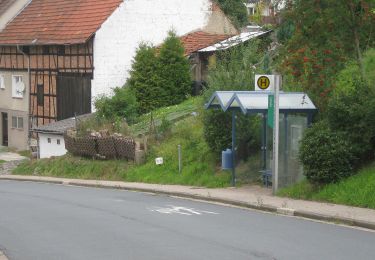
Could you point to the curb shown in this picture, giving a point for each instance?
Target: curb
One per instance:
(260, 207)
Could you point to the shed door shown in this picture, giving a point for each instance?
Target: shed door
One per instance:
(73, 95)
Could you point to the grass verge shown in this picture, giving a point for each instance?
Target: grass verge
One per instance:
(198, 167)
(357, 190)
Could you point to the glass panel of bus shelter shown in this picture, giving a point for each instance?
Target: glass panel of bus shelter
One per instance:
(290, 133)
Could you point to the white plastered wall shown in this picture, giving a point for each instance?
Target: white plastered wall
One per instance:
(137, 21)
(47, 150)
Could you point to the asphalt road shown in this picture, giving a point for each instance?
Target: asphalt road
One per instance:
(46, 221)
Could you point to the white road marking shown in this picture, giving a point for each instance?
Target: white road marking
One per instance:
(170, 209)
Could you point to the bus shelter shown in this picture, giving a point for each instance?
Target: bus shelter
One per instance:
(296, 112)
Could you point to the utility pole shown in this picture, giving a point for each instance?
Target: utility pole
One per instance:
(275, 175)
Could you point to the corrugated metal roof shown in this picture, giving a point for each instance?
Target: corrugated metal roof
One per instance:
(57, 22)
(257, 101)
(234, 41)
(59, 127)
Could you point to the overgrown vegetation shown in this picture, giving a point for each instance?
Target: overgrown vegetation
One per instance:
(318, 43)
(198, 162)
(345, 140)
(123, 104)
(198, 169)
(327, 156)
(234, 70)
(357, 190)
(236, 11)
(157, 79)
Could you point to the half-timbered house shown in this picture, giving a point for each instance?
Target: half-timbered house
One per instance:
(57, 56)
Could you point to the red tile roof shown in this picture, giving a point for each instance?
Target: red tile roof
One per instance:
(58, 22)
(199, 40)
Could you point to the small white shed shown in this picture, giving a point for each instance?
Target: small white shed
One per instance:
(51, 137)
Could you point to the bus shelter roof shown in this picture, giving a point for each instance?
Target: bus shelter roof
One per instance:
(250, 102)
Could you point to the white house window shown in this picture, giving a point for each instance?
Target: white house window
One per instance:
(17, 122)
(58, 141)
(2, 82)
(49, 140)
(18, 86)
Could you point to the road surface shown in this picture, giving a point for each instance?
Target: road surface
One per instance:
(47, 221)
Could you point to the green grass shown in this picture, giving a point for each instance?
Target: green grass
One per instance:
(171, 113)
(198, 162)
(2, 161)
(357, 190)
(73, 167)
(198, 168)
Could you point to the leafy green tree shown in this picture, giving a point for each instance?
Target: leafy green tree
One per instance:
(236, 11)
(325, 35)
(145, 80)
(173, 72)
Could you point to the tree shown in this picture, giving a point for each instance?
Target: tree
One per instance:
(144, 79)
(173, 71)
(325, 34)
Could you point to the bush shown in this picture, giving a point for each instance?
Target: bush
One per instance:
(145, 80)
(122, 105)
(327, 156)
(160, 80)
(218, 132)
(352, 111)
(173, 71)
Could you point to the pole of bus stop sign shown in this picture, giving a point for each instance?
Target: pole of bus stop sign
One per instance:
(275, 175)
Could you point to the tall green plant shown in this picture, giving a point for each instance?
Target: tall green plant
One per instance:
(173, 71)
(145, 79)
(327, 34)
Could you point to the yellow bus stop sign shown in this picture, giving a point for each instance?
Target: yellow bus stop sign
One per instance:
(263, 82)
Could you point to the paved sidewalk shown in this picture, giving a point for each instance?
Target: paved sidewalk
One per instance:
(251, 197)
(12, 160)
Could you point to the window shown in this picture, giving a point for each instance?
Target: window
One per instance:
(40, 94)
(45, 50)
(49, 140)
(250, 10)
(61, 50)
(2, 82)
(58, 141)
(17, 122)
(18, 87)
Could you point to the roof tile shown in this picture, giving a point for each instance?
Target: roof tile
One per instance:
(58, 22)
(198, 40)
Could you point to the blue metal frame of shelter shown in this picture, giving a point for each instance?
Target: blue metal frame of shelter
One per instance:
(239, 101)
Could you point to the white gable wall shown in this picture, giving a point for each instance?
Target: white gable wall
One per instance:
(49, 146)
(137, 21)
